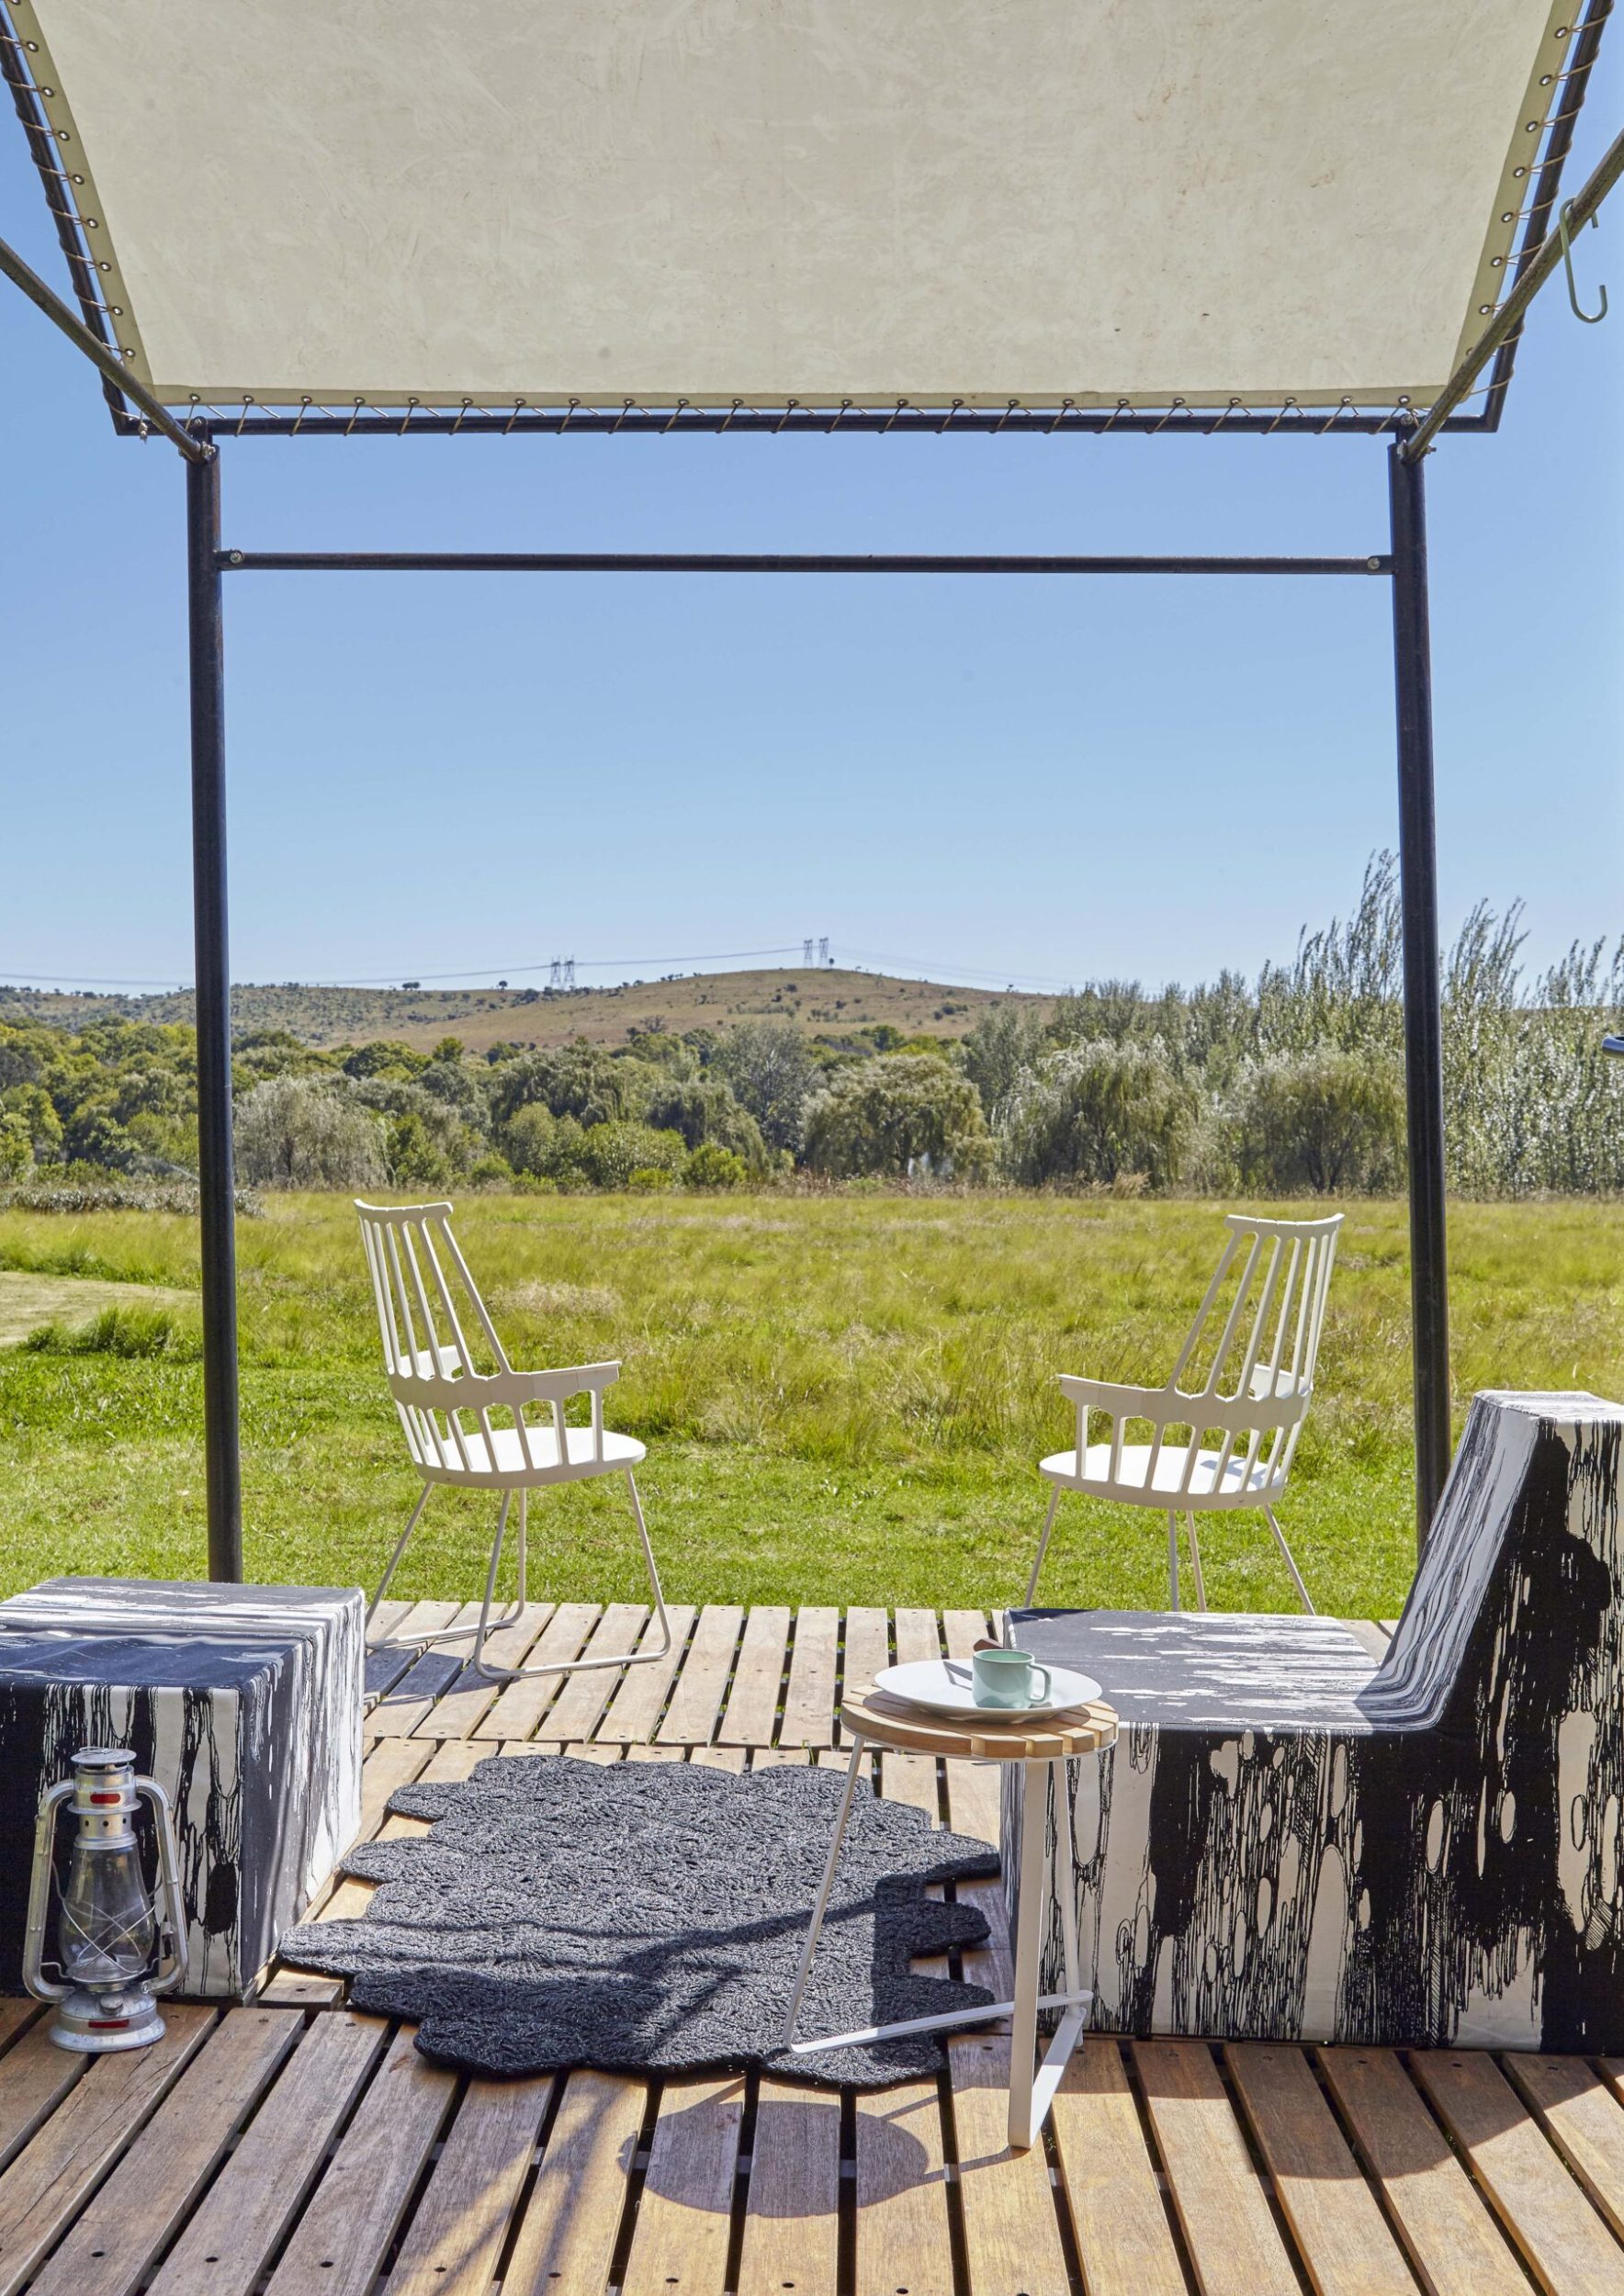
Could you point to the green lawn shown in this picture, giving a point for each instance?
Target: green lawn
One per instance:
(843, 1397)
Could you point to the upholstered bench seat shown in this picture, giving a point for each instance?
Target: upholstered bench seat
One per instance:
(244, 1702)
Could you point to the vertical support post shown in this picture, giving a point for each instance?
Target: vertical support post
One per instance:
(216, 1178)
(1423, 1077)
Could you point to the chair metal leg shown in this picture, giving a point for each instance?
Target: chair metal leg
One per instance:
(1031, 1584)
(1302, 1594)
(819, 1910)
(656, 1649)
(1173, 1557)
(444, 1634)
(1195, 1561)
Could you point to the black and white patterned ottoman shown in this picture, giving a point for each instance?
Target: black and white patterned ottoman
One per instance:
(243, 1702)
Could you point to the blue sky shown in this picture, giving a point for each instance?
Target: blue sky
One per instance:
(1032, 781)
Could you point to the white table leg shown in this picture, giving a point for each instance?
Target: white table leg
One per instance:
(852, 1767)
(1029, 1931)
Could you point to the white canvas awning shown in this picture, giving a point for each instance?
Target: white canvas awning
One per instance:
(818, 200)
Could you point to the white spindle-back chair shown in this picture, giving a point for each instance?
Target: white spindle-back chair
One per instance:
(1221, 1437)
(473, 1427)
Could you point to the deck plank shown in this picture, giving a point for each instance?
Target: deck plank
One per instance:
(1568, 2248)
(1366, 1632)
(684, 2215)
(1011, 2232)
(792, 2216)
(1223, 2213)
(1583, 2119)
(455, 2240)
(903, 2240)
(1450, 2237)
(255, 2197)
(134, 2214)
(578, 1706)
(15, 2014)
(696, 1701)
(911, 1778)
(408, 1702)
(636, 1708)
(809, 1698)
(35, 2075)
(1109, 2181)
(1333, 2216)
(572, 2222)
(750, 1715)
(918, 1636)
(518, 1709)
(973, 1787)
(356, 2207)
(464, 1703)
(47, 2181)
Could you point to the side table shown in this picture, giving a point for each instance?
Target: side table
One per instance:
(871, 1718)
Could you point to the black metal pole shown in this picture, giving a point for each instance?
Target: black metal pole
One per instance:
(1424, 1061)
(206, 624)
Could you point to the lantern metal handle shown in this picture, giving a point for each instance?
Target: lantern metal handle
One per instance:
(172, 1966)
(34, 1976)
(172, 1963)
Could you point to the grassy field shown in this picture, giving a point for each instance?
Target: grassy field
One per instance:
(843, 1397)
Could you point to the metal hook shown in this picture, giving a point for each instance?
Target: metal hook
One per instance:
(1563, 219)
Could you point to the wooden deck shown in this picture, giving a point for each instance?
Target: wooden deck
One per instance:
(295, 2147)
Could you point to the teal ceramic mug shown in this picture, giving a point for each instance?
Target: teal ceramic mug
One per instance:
(1009, 1678)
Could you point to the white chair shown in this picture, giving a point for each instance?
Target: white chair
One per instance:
(1233, 1436)
(449, 1408)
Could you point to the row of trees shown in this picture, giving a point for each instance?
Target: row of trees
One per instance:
(1292, 1085)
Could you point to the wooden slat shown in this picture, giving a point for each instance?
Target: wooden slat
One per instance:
(572, 2218)
(918, 1636)
(385, 1667)
(356, 2209)
(15, 2016)
(1568, 2247)
(734, 1758)
(519, 1707)
(680, 2244)
(459, 1710)
(1449, 2236)
(455, 2240)
(902, 2224)
(973, 1787)
(867, 1651)
(635, 1709)
(791, 2217)
(133, 2214)
(1011, 2232)
(45, 2185)
(575, 1712)
(35, 2075)
(1110, 2180)
(1583, 2119)
(1371, 1638)
(809, 1699)
(751, 1712)
(250, 2203)
(691, 1718)
(400, 1711)
(1222, 2212)
(911, 1778)
(1333, 2216)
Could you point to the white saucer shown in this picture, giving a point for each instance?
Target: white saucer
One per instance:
(947, 1686)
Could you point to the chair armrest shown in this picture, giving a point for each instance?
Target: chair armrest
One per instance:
(1109, 1395)
(551, 1387)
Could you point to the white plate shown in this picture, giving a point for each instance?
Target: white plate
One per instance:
(947, 1686)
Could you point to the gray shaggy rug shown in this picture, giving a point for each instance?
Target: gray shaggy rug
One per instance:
(640, 1914)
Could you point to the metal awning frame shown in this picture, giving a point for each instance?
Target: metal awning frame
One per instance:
(199, 431)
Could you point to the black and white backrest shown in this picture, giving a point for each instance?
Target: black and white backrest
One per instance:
(1294, 1841)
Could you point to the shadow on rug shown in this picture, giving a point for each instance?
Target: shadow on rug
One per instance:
(640, 1914)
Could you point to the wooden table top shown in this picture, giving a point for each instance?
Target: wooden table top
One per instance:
(882, 1720)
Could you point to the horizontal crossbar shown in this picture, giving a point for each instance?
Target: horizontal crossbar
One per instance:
(755, 562)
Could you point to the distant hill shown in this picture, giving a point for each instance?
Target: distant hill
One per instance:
(821, 1003)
